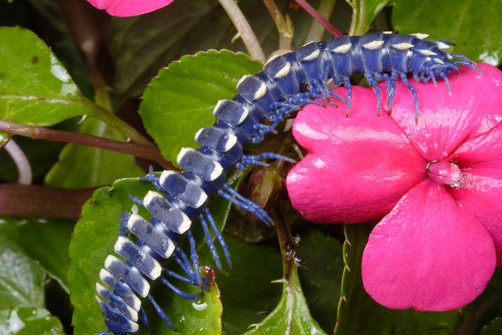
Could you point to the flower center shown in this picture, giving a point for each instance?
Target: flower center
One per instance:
(445, 173)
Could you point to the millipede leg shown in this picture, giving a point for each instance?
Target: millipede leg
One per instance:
(391, 91)
(256, 159)
(447, 82)
(348, 86)
(218, 236)
(161, 313)
(179, 292)
(142, 317)
(123, 231)
(303, 98)
(194, 256)
(388, 85)
(181, 259)
(179, 277)
(406, 83)
(209, 241)
(246, 204)
(137, 201)
(371, 80)
(152, 178)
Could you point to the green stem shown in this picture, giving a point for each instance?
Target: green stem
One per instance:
(357, 24)
(316, 30)
(286, 244)
(282, 23)
(117, 123)
(244, 29)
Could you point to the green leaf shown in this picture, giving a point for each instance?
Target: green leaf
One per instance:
(494, 328)
(181, 99)
(93, 239)
(292, 315)
(202, 316)
(82, 166)
(356, 305)
(47, 243)
(35, 88)
(364, 12)
(247, 291)
(322, 276)
(29, 321)
(470, 24)
(21, 279)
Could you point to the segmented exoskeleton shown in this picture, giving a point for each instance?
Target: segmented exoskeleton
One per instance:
(286, 84)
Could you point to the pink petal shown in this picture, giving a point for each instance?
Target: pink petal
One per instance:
(483, 151)
(480, 194)
(445, 121)
(429, 253)
(124, 8)
(357, 167)
(481, 162)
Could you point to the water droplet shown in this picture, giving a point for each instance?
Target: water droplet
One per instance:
(199, 307)
(58, 71)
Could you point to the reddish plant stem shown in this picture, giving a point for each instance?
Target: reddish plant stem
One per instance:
(35, 132)
(309, 9)
(41, 202)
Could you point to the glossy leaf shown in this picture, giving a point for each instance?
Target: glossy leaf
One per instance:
(21, 279)
(469, 24)
(35, 87)
(291, 315)
(47, 243)
(356, 304)
(29, 321)
(181, 99)
(364, 12)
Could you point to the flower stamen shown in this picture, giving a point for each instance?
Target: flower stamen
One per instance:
(445, 173)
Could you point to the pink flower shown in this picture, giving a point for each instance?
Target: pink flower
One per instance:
(125, 8)
(437, 184)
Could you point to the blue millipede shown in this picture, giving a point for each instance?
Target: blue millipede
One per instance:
(286, 84)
